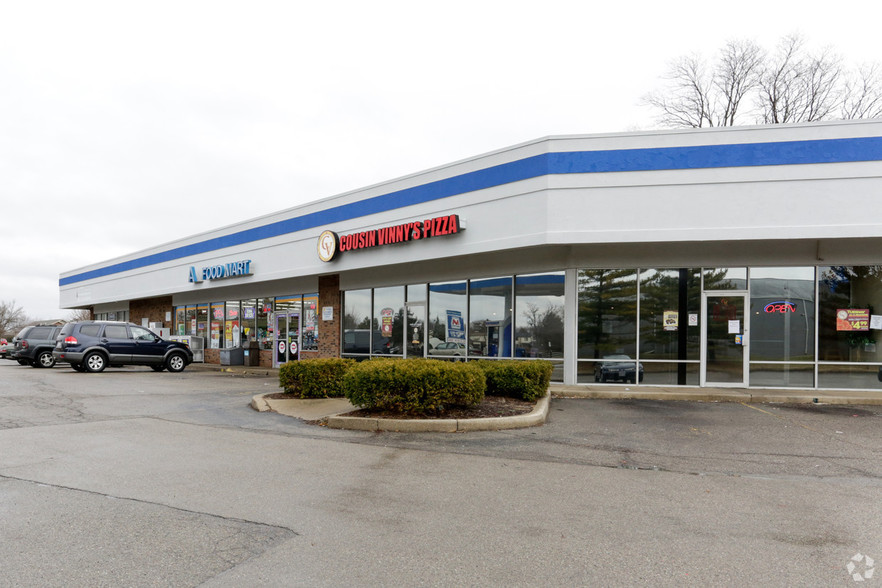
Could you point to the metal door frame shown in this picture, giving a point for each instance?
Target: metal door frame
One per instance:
(745, 328)
(288, 315)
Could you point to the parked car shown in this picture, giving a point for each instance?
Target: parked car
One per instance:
(450, 349)
(90, 346)
(5, 348)
(618, 368)
(34, 347)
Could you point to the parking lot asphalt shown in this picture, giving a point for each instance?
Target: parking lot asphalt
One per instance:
(137, 478)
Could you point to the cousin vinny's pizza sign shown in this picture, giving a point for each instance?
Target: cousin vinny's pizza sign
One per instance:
(330, 244)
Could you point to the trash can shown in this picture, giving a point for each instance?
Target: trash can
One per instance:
(232, 356)
(252, 354)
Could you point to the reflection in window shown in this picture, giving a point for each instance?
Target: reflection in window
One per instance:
(388, 321)
(539, 303)
(607, 313)
(448, 307)
(309, 322)
(667, 299)
(357, 321)
(782, 314)
(847, 297)
(725, 278)
(490, 328)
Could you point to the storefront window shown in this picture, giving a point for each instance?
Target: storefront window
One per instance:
(725, 278)
(539, 304)
(670, 304)
(180, 320)
(264, 330)
(388, 321)
(190, 323)
(782, 314)
(448, 307)
(232, 327)
(416, 293)
(607, 313)
(848, 298)
(202, 321)
(249, 321)
(309, 322)
(490, 313)
(216, 326)
(357, 321)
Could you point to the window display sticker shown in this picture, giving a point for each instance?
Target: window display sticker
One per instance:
(693, 319)
(734, 327)
(739, 340)
(671, 320)
(876, 321)
(853, 319)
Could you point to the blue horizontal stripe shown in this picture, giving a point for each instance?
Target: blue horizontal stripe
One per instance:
(571, 162)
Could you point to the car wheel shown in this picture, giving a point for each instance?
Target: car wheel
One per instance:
(45, 360)
(175, 363)
(94, 362)
(157, 368)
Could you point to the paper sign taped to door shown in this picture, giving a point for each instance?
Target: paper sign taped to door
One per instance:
(734, 327)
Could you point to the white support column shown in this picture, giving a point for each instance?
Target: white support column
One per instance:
(571, 325)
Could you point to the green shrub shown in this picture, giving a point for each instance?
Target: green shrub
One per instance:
(414, 386)
(314, 378)
(527, 380)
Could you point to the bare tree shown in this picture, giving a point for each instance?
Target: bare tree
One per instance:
(799, 87)
(701, 96)
(747, 85)
(79, 314)
(12, 318)
(863, 93)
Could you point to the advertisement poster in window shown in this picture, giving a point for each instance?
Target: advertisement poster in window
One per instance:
(215, 335)
(455, 326)
(853, 319)
(386, 316)
(671, 320)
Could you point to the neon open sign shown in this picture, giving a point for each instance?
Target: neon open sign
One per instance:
(781, 306)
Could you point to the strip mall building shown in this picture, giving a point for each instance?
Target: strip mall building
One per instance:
(746, 256)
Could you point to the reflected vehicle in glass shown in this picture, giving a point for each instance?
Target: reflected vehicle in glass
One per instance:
(450, 349)
(618, 368)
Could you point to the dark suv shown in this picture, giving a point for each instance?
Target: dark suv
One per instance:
(34, 346)
(90, 346)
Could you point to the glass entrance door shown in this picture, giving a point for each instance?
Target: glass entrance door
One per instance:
(415, 332)
(286, 337)
(724, 340)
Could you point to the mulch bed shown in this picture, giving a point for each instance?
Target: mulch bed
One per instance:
(491, 406)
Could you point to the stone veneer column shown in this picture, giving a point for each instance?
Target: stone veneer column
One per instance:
(329, 331)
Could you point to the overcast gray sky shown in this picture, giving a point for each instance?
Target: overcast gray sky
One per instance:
(126, 125)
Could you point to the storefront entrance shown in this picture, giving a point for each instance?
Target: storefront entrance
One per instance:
(724, 340)
(286, 337)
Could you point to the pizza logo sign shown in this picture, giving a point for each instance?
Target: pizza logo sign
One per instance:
(330, 244)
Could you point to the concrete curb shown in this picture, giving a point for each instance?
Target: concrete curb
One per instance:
(720, 395)
(536, 417)
(259, 403)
